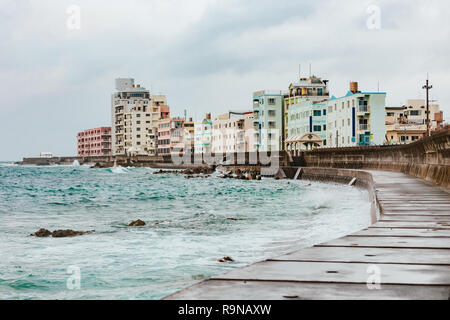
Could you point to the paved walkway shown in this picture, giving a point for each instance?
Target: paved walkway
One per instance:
(409, 247)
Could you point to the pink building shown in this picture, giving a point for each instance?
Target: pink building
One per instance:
(170, 136)
(94, 142)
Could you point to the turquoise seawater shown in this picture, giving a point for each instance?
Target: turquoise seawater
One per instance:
(187, 228)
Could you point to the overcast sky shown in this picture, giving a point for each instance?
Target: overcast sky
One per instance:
(205, 55)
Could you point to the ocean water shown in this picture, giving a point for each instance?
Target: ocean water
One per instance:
(188, 228)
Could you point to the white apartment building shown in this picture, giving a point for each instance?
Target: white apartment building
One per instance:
(268, 120)
(312, 89)
(134, 119)
(356, 119)
(203, 135)
(233, 132)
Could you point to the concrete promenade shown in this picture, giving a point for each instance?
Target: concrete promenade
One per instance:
(409, 246)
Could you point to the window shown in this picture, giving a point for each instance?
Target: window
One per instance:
(271, 113)
(317, 113)
(317, 128)
(414, 112)
(324, 112)
(271, 101)
(324, 127)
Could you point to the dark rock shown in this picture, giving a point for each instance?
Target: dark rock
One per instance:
(41, 233)
(96, 166)
(137, 223)
(225, 259)
(69, 233)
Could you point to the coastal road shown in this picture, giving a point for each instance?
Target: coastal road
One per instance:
(404, 255)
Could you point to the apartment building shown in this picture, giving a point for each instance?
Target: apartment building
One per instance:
(134, 118)
(268, 120)
(307, 125)
(171, 136)
(356, 119)
(189, 136)
(203, 135)
(407, 123)
(233, 132)
(94, 142)
(312, 89)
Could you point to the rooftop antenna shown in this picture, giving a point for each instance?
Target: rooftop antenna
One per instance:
(378, 86)
(299, 71)
(310, 70)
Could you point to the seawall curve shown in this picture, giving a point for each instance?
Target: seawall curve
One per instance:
(408, 243)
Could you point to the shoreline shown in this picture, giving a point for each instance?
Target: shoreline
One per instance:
(400, 243)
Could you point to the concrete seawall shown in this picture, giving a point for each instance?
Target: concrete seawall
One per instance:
(427, 158)
(408, 244)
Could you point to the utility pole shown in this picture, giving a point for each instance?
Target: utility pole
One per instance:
(427, 87)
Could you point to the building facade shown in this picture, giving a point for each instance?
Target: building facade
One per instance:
(356, 119)
(307, 125)
(134, 119)
(268, 120)
(170, 136)
(312, 89)
(189, 136)
(407, 123)
(203, 135)
(94, 142)
(233, 132)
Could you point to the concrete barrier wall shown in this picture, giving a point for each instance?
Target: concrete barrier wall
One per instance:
(427, 159)
(363, 180)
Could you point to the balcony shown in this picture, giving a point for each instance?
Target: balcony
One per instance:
(363, 109)
(364, 127)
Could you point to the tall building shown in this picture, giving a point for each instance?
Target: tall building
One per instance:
(356, 119)
(268, 119)
(407, 123)
(312, 89)
(233, 132)
(134, 119)
(203, 135)
(94, 142)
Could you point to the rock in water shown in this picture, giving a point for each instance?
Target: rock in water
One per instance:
(69, 233)
(224, 259)
(41, 233)
(137, 223)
